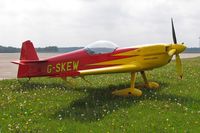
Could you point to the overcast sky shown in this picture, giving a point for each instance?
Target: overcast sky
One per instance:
(79, 22)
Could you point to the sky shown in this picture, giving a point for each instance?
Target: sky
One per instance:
(66, 23)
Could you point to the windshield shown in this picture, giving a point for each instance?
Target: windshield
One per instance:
(101, 47)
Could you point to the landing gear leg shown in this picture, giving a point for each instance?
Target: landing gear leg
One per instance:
(150, 85)
(87, 81)
(132, 91)
(70, 83)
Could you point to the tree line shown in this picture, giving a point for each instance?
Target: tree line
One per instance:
(48, 49)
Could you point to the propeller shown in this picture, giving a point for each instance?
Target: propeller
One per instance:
(179, 67)
(175, 50)
(172, 52)
(173, 32)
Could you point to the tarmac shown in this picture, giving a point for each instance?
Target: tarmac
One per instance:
(9, 70)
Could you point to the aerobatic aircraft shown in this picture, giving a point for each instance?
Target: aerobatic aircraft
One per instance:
(102, 57)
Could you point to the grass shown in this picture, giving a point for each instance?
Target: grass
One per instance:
(49, 105)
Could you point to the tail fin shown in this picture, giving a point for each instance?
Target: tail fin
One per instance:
(28, 51)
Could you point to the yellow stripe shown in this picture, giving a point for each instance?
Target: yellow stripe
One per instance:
(129, 53)
(116, 62)
(113, 69)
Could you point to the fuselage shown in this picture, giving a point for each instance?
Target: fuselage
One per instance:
(68, 64)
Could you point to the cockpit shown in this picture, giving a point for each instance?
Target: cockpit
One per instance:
(100, 47)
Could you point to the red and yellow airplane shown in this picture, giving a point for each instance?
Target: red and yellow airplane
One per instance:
(102, 57)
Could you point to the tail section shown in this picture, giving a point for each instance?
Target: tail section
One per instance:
(23, 71)
(29, 63)
(28, 51)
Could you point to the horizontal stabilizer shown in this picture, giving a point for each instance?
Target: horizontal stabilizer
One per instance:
(17, 62)
(24, 62)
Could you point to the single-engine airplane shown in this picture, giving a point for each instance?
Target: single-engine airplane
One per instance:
(102, 57)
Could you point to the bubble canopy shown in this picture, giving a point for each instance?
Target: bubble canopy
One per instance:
(100, 47)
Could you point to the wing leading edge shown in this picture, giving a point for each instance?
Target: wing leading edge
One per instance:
(111, 69)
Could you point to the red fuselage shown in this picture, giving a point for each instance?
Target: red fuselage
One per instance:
(69, 64)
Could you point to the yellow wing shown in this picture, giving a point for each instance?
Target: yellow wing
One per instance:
(111, 69)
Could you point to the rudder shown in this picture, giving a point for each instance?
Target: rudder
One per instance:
(28, 51)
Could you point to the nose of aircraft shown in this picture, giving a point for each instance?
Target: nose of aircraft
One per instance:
(175, 49)
(179, 48)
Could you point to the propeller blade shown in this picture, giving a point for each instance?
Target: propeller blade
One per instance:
(172, 52)
(179, 68)
(173, 32)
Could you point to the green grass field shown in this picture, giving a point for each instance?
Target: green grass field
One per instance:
(49, 105)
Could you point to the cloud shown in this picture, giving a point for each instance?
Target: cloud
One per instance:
(67, 23)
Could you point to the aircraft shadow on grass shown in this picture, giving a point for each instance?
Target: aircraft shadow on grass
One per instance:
(99, 102)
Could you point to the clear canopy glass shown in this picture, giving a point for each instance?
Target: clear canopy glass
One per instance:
(101, 47)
